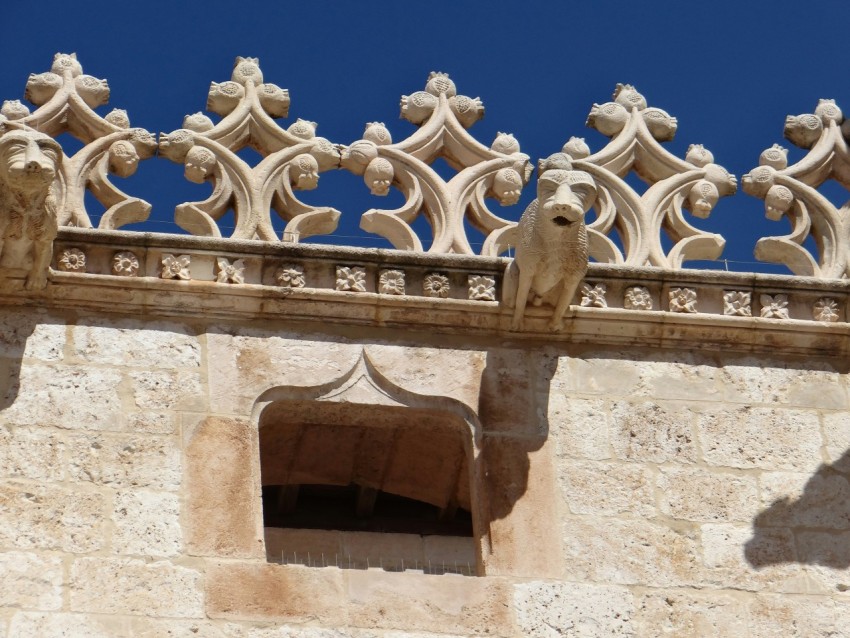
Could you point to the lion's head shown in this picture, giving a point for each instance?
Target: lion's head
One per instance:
(29, 161)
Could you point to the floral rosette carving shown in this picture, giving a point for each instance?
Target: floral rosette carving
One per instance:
(774, 306)
(593, 296)
(72, 260)
(125, 264)
(292, 160)
(792, 192)
(391, 282)
(737, 303)
(290, 276)
(825, 310)
(65, 98)
(683, 300)
(176, 267)
(443, 117)
(675, 185)
(637, 298)
(351, 278)
(482, 288)
(230, 273)
(436, 285)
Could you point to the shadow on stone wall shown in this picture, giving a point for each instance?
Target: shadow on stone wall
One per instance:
(813, 529)
(16, 331)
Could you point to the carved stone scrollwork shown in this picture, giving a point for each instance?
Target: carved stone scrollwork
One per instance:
(65, 98)
(497, 172)
(791, 191)
(695, 184)
(293, 158)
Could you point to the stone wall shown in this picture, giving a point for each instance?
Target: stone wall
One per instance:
(619, 490)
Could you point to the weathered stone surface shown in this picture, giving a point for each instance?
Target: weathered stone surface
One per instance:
(699, 495)
(836, 431)
(131, 586)
(130, 342)
(820, 500)
(678, 613)
(610, 374)
(221, 500)
(456, 604)
(31, 453)
(551, 610)
(54, 517)
(150, 422)
(607, 489)
(32, 335)
(770, 439)
(796, 617)
(124, 460)
(64, 625)
(627, 552)
(70, 397)
(680, 376)
(146, 523)
(30, 581)
(580, 427)
(288, 593)
(652, 432)
(161, 390)
(813, 384)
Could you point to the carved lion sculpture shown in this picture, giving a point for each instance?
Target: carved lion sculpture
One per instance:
(29, 161)
(552, 253)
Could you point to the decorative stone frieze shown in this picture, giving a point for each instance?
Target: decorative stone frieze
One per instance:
(683, 300)
(351, 278)
(290, 276)
(774, 306)
(176, 267)
(391, 282)
(593, 296)
(637, 298)
(737, 303)
(125, 264)
(230, 273)
(826, 310)
(482, 288)
(72, 260)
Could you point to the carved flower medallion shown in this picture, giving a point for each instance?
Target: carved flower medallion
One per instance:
(72, 260)
(290, 276)
(637, 298)
(774, 306)
(683, 300)
(176, 267)
(230, 273)
(351, 278)
(826, 310)
(391, 282)
(482, 288)
(125, 264)
(593, 296)
(436, 285)
(737, 303)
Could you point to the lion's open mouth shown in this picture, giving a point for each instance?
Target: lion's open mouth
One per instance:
(560, 220)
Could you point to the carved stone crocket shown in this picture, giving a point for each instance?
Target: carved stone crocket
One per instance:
(552, 253)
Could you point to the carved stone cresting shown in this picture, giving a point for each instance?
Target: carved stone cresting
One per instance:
(436, 285)
(391, 282)
(29, 164)
(72, 260)
(482, 288)
(351, 278)
(290, 276)
(683, 300)
(791, 191)
(774, 306)
(498, 172)
(65, 98)
(637, 298)
(227, 273)
(551, 255)
(593, 296)
(125, 264)
(826, 310)
(695, 184)
(176, 267)
(292, 160)
(737, 303)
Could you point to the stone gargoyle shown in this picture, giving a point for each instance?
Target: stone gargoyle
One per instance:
(551, 254)
(29, 163)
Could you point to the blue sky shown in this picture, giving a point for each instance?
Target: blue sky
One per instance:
(729, 71)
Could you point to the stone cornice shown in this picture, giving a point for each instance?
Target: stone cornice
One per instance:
(668, 323)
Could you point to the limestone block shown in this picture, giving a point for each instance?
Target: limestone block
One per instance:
(31, 453)
(455, 604)
(653, 432)
(552, 610)
(700, 495)
(124, 460)
(627, 552)
(221, 500)
(150, 422)
(836, 431)
(64, 625)
(31, 335)
(283, 592)
(771, 439)
(795, 617)
(54, 517)
(131, 586)
(161, 390)
(509, 390)
(71, 397)
(130, 342)
(580, 427)
(678, 613)
(792, 499)
(146, 523)
(608, 373)
(679, 376)
(765, 560)
(607, 489)
(30, 581)
(807, 384)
